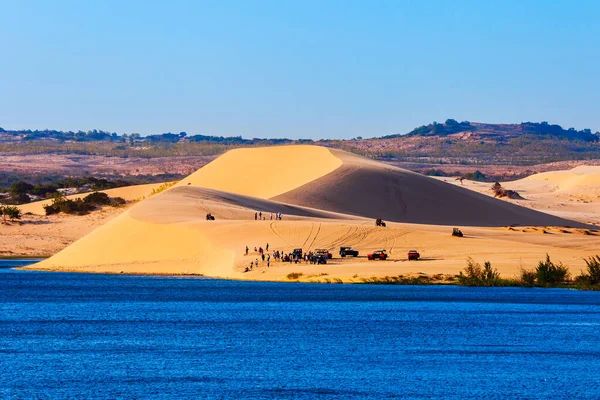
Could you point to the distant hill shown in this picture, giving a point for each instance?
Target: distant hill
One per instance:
(452, 142)
(545, 129)
(473, 143)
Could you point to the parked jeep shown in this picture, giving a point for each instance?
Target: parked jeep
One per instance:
(318, 259)
(377, 255)
(413, 255)
(348, 251)
(297, 253)
(324, 252)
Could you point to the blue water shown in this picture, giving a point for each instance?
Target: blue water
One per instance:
(78, 336)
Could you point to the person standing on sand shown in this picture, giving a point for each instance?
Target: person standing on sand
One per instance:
(256, 262)
(267, 248)
(263, 257)
(268, 261)
(260, 215)
(255, 216)
(247, 250)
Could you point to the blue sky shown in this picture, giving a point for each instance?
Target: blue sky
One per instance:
(310, 69)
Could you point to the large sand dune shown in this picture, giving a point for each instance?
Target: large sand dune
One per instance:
(326, 205)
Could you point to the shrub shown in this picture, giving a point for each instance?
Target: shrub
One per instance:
(592, 276)
(79, 206)
(118, 201)
(548, 273)
(67, 206)
(50, 209)
(10, 212)
(528, 277)
(294, 275)
(476, 275)
(97, 198)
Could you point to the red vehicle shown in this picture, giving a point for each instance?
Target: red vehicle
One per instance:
(413, 255)
(377, 255)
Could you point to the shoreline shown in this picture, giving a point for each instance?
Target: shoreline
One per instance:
(45, 257)
(416, 280)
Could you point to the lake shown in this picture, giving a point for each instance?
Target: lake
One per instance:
(76, 336)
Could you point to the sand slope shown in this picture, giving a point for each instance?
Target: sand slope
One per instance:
(372, 189)
(328, 206)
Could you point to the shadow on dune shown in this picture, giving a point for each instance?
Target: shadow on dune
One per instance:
(376, 190)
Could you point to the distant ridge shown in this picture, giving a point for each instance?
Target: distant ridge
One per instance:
(452, 126)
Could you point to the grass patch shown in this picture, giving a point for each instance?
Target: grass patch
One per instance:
(294, 275)
(163, 187)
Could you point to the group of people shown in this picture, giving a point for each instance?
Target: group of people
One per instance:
(210, 217)
(276, 255)
(259, 216)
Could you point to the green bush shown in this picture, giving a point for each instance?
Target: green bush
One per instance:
(476, 275)
(10, 212)
(97, 198)
(67, 206)
(117, 202)
(528, 277)
(548, 273)
(592, 275)
(79, 206)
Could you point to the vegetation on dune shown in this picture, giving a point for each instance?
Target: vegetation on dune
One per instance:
(9, 213)
(294, 275)
(163, 187)
(80, 206)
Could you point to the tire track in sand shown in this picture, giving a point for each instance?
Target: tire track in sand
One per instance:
(272, 226)
(315, 238)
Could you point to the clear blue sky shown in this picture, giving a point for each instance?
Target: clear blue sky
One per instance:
(309, 69)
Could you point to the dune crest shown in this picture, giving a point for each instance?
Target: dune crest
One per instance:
(265, 172)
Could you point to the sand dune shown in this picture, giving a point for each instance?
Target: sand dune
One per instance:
(572, 194)
(582, 180)
(325, 206)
